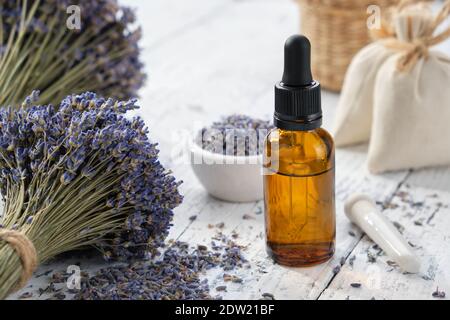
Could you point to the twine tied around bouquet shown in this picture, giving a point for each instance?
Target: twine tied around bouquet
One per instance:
(417, 48)
(25, 250)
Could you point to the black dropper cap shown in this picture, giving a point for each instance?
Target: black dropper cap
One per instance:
(297, 96)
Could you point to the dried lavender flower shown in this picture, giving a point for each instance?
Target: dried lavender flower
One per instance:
(438, 293)
(371, 258)
(26, 295)
(176, 275)
(88, 175)
(221, 288)
(336, 269)
(38, 50)
(268, 296)
(237, 135)
(351, 261)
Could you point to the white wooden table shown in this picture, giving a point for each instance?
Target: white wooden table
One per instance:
(209, 58)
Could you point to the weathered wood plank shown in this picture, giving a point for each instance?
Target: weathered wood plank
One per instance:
(424, 215)
(210, 58)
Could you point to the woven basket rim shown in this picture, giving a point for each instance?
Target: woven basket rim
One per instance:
(347, 4)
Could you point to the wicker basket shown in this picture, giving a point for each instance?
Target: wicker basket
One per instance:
(337, 30)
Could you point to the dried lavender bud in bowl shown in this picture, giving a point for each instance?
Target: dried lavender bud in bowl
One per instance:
(227, 158)
(235, 135)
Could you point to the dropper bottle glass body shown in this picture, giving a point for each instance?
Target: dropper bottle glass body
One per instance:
(299, 168)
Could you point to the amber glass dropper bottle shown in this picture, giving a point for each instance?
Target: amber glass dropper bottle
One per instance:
(299, 178)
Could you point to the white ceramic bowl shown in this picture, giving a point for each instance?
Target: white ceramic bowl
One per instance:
(229, 178)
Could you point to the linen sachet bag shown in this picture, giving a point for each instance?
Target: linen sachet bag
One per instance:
(397, 93)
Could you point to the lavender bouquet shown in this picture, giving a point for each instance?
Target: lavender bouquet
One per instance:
(44, 47)
(79, 175)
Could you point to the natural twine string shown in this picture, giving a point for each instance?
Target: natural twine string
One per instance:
(25, 250)
(418, 48)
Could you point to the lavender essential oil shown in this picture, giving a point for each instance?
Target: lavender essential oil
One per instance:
(299, 179)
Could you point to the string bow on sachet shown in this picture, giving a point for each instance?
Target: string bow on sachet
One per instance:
(417, 47)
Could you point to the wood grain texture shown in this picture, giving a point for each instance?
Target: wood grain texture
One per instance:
(424, 215)
(210, 58)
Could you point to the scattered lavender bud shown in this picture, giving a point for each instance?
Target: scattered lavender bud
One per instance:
(232, 278)
(352, 260)
(176, 276)
(391, 263)
(399, 227)
(387, 205)
(371, 257)
(59, 296)
(58, 277)
(247, 217)
(403, 195)
(352, 233)
(220, 225)
(336, 269)
(193, 218)
(49, 289)
(26, 295)
(438, 294)
(227, 277)
(417, 204)
(356, 285)
(268, 296)
(237, 280)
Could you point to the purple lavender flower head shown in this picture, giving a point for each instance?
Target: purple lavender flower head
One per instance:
(87, 174)
(61, 51)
